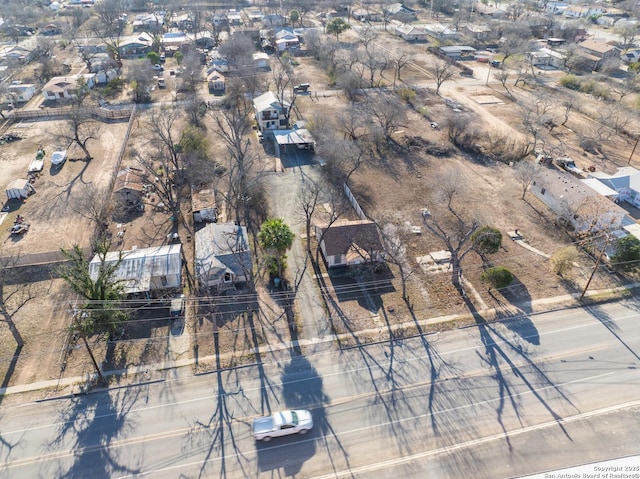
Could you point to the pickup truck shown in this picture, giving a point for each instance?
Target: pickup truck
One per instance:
(283, 423)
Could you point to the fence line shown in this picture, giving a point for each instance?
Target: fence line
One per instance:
(104, 114)
(123, 148)
(354, 202)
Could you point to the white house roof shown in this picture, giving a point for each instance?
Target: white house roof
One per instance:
(61, 84)
(139, 266)
(627, 177)
(600, 187)
(222, 248)
(268, 101)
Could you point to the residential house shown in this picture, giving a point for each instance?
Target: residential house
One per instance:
(411, 33)
(220, 64)
(203, 205)
(254, 14)
(91, 45)
(632, 56)
(136, 45)
(367, 15)
(175, 41)
(216, 81)
(144, 270)
(129, 185)
(597, 51)
(556, 8)
(349, 243)
(546, 57)
(50, 29)
(220, 20)
(105, 76)
(475, 31)
(441, 32)
(59, 88)
(21, 92)
(222, 255)
(582, 11)
(400, 12)
(286, 39)
(626, 183)
(273, 20)
(235, 19)
(149, 22)
(271, 113)
(14, 55)
(566, 196)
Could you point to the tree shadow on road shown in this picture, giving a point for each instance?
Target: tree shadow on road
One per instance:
(91, 425)
(598, 312)
(213, 435)
(508, 358)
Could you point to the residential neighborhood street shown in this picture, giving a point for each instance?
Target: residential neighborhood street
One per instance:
(527, 395)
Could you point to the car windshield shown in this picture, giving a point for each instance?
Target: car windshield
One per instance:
(294, 417)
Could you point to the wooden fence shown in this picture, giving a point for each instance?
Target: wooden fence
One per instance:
(51, 113)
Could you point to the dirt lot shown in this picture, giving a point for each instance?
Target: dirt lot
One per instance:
(392, 188)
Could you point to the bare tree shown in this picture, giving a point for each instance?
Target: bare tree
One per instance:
(455, 232)
(93, 203)
(233, 127)
(108, 25)
(395, 252)
(80, 128)
(525, 173)
(281, 75)
(400, 60)
(387, 113)
(442, 71)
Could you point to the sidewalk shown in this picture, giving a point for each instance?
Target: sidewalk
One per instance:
(142, 374)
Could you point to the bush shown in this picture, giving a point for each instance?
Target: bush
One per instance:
(486, 240)
(407, 94)
(497, 276)
(571, 82)
(561, 261)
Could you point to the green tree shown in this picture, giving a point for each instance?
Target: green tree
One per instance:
(276, 236)
(153, 57)
(179, 57)
(102, 294)
(497, 276)
(562, 260)
(294, 16)
(627, 253)
(337, 26)
(486, 240)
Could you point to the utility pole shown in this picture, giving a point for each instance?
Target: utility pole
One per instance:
(634, 150)
(595, 268)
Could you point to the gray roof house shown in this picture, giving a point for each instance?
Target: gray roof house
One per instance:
(223, 257)
(144, 270)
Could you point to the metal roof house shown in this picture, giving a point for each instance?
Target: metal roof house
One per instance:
(144, 270)
(222, 255)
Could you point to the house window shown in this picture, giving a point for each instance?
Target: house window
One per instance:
(542, 191)
(227, 277)
(163, 280)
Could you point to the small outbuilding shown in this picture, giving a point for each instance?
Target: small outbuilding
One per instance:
(203, 205)
(129, 184)
(19, 189)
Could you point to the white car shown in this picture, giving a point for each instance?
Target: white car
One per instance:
(283, 423)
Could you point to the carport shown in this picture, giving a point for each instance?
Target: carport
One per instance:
(298, 139)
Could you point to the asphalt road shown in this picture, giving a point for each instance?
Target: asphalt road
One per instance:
(492, 401)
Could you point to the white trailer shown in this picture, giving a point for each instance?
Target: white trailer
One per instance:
(19, 189)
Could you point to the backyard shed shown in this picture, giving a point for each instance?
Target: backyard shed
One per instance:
(19, 189)
(203, 205)
(144, 270)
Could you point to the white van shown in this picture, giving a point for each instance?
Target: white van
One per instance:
(161, 83)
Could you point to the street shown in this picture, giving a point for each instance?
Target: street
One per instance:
(495, 400)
